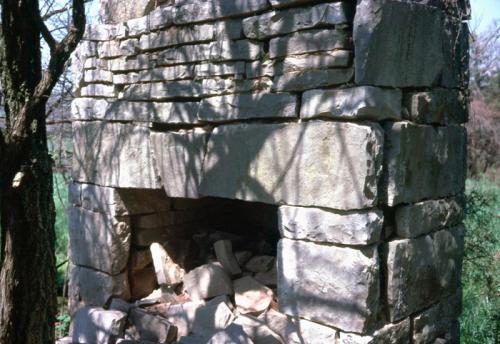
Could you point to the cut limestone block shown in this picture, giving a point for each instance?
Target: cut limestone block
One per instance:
(207, 281)
(152, 328)
(224, 253)
(183, 315)
(336, 286)
(422, 162)
(316, 60)
(362, 102)
(162, 90)
(167, 271)
(334, 165)
(397, 333)
(179, 156)
(433, 263)
(212, 318)
(423, 217)
(304, 80)
(322, 225)
(439, 106)
(113, 154)
(115, 11)
(277, 23)
(177, 36)
(244, 106)
(99, 241)
(98, 326)
(250, 296)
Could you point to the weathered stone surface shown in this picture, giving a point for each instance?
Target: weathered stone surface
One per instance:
(232, 334)
(397, 333)
(339, 287)
(208, 10)
(217, 86)
(151, 327)
(433, 263)
(308, 41)
(176, 36)
(286, 3)
(183, 316)
(362, 102)
(333, 165)
(94, 288)
(424, 217)
(168, 73)
(224, 253)
(116, 48)
(124, 64)
(439, 321)
(179, 156)
(99, 241)
(299, 81)
(205, 70)
(162, 90)
(142, 201)
(268, 278)
(321, 225)
(116, 11)
(423, 162)
(245, 106)
(100, 32)
(97, 75)
(212, 318)
(120, 305)
(113, 154)
(257, 330)
(98, 326)
(276, 23)
(439, 106)
(250, 296)
(302, 331)
(167, 271)
(75, 194)
(260, 263)
(207, 281)
(316, 60)
(242, 257)
(98, 90)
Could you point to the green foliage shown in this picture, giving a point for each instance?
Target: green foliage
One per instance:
(62, 325)
(480, 321)
(61, 227)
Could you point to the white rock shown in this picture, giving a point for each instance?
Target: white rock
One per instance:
(152, 328)
(212, 318)
(167, 271)
(207, 281)
(251, 296)
(224, 253)
(98, 326)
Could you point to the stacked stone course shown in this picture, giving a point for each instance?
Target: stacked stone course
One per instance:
(347, 116)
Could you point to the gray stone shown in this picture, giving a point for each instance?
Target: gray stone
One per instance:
(245, 106)
(169, 73)
(117, 48)
(160, 17)
(260, 263)
(302, 331)
(217, 86)
(123, 64)
(308, 41)
(183, 316)
(88, 287)
(322, 225)
(152, 327)
(362, 102)
(316, 60)
(97, 75)
(242, 257)
(180, 156)
(176, 36)
(242, 163)
(98, 326)
(397, 333)
(433, 263)
(268, 278)
(113, 154)
(162, 90)
(423, 162)
(120, 305)
(75, 194)
(336, 286)
(100, 32)
(99, 241)
(304, 80)
(257, 330)
(233, 334)
(101, 199)
(212, 318)
(439, 106)
(136, 27)
(167, 271)
(98, 90)
(251, 296)
(286, 3)
(207, 281)
(224, 253)
(261, 68)
(276, 23)
(116, 11)
(456, 51)
(143, 201)
(205, 70)
(424, 217)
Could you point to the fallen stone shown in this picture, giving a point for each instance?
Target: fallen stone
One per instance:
(260, 263)
(423, 217)
(305, 148)
(232, 334)
(191, 339)
(397, 333)
(315, 60)
(278, 322)
(207, 281)
(432, 262)
(439, 106)
(434, 155)
(268, 278)
(151, 327)
(305, 80)
(183, 316)
(336, 286)
(276, 23)
(167, 271)
(242, 257)
(321, 225)
(224, 253)
(245, 106)
(250, 296)
(98, 326)
(212, 318)
(362, 102)
(99, 241)
(120, 305)
(257, 330)
(308, 41)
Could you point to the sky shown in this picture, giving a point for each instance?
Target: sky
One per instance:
(484, 12)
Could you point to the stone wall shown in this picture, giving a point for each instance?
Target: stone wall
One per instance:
(347, 116)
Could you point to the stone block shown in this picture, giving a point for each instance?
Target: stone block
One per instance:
(98, 326)
(98, 90)
(301, 331)
(432, 262)
(151, 327)
(160, 17)
(183, 316)
(232, 334)
(422, 162)
(124, 64)
(322, 225)
(308, 41)
(251, 296)
(282, 22)
(100, 32)
(260, 263)
(100, 199)
(113, 154)
(224, 253)
(98, 240)
(316, 60)
(336, 286)
(177, 36)
(162, 90)
(326, 164)
(362, 102)
(287, 3)
(167, 271)
(97, 75)
(169, 73)
(115, 11)
(246, 106)
(456, 51)
(212, 318)
(439, 106)
(397, 333)
(257, 330)
(179, 156)
(263, 67)
(142, 201)
(423, 217)
(217, 86)
(207, 281)
(206, 70)
(304, 80)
